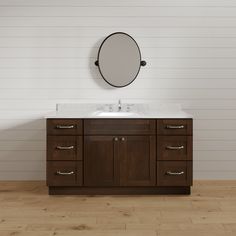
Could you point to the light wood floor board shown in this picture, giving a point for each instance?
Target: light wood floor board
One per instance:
(27, 210)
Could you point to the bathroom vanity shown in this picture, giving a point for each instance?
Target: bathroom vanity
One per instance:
(120, 153)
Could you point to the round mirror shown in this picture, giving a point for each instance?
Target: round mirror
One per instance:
(119, 59)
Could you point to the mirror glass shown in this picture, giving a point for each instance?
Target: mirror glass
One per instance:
(119, 59)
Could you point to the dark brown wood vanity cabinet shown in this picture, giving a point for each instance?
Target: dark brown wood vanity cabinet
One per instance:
(119, 156)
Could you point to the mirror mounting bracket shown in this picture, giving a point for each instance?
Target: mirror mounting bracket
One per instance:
(143, 63)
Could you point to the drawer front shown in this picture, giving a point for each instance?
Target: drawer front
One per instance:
(174, 148)
(64, 173)
(174, 173)
(64, 148)
(174, 127)
(119, 126)
(64, 127)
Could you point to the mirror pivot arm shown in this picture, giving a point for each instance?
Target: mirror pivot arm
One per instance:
(142, 63)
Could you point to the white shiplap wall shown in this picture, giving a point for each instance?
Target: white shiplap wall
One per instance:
(47, 50)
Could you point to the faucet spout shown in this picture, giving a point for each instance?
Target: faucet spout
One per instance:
(119, 105)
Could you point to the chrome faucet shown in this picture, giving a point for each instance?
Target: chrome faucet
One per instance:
(119, 105)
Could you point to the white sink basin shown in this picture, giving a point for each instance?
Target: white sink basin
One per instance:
(114, 114)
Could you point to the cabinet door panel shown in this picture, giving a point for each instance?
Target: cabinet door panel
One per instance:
(100, 161)
(137, 161)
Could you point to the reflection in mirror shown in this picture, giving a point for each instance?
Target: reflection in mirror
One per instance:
(119, 59)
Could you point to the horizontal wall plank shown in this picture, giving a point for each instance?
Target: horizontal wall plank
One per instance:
(22, 124)
(82, 63)
(207, 165)
(219, 124)
(22, 145)
(57, 73)
(216, 175)
(116, 94)
(216, 145)
(19, 156)
(214, 155)
(23, 175)
(92, 42)
(123, 11)
(26, 166)
(126, 22)
(33, 135)
(100, 32)
(139, 83)
(215, 135)
(92, 52)
(102, 3)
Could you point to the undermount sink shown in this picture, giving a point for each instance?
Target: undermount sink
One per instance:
(114, 114)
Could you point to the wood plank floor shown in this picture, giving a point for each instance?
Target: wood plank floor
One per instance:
(26, 209)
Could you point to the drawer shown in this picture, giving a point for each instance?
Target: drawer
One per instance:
(174, 127)
(64, 148)
(119, 126)
(64, 173)
(64, 127)
(174, 148)
(174, 173)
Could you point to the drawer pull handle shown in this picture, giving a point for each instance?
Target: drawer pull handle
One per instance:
(64, 173)
(175, 126)
(116, 139)
(65, 148)
(175, 148)
(65, 126)
(175, 173)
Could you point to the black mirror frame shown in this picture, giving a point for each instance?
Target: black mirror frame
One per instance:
(142, 62)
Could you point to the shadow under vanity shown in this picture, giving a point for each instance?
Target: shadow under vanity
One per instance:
(119, 155)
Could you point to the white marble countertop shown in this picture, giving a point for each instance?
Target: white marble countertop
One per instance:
(110, 111)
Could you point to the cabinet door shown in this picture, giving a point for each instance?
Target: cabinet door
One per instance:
(137, 156)
(100, 161)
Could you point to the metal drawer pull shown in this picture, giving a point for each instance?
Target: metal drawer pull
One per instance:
(175, 126)
(65, 148)
(64, 173)
(122, 139)
(65, 126)
(116, 139)
(175, 148)
(174, 173)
